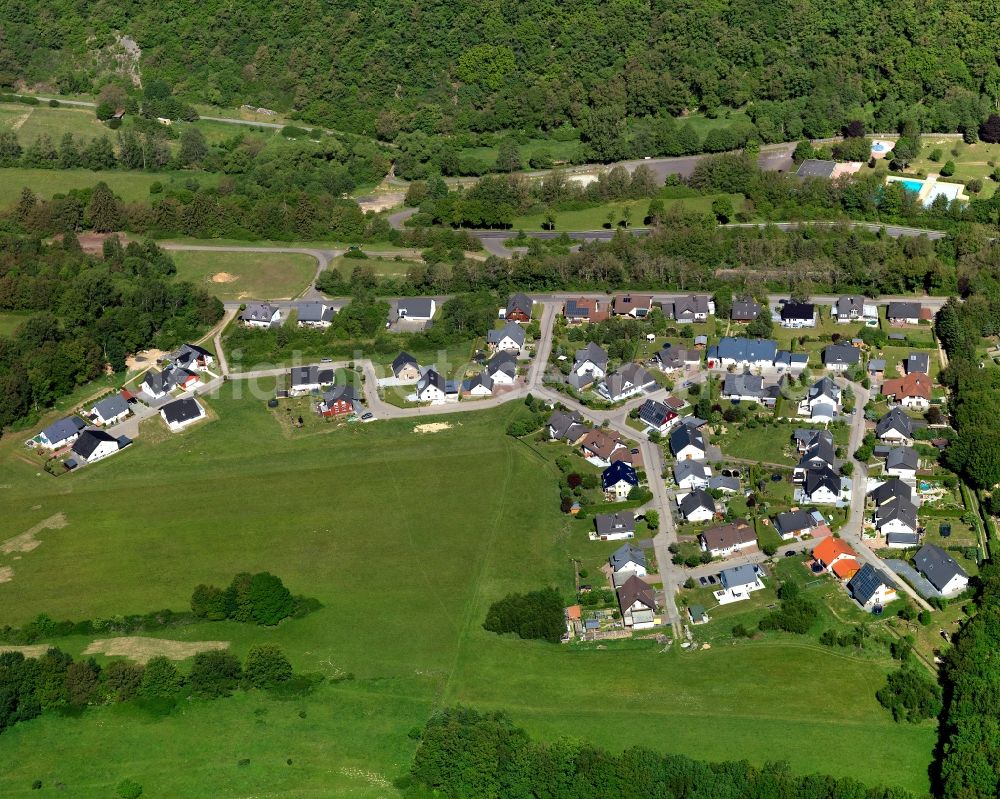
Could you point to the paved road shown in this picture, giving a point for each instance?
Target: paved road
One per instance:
(852, 530)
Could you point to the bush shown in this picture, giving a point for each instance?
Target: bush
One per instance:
(910, 695)
(975, 185)
(160, 679)
(537, 614)
(128, 789)
(214, 674)
(924, 618)
(948, 169)
(266, 666)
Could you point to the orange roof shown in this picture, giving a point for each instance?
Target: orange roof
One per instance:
(829, 549)
(846, 568)
(915, 384)
(573, 612)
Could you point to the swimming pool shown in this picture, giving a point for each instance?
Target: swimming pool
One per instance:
(911, 185)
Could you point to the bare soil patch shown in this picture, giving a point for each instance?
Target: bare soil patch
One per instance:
(26, 541)
(32, 651)
(6, 574)
(224, 277)
(141, 650)
(143, 359)
(432, 427)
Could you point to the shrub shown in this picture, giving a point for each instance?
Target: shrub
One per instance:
(537, 614)
(266, 666)
(214, 674)
(975, 185)
(948, 169)
(128, 789)
(160, 679)
(910, 695)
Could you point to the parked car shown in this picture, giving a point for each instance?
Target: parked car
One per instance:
(367, 417)
(790, 553)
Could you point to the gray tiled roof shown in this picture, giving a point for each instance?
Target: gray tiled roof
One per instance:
(937, 565)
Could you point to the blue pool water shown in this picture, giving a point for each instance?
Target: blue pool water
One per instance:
(912, 185)
(878, 147)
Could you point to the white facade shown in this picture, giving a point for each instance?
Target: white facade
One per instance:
(175, 426)
(102, 450)
(692, 481)
(112, 420)
(691, 453)
(620, 490)
(430, 393)
(582, 368)
(737, 593)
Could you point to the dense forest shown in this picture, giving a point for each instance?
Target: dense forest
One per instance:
(86, 313)
(400, 70)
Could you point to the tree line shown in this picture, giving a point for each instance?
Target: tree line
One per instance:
(464, 753)
(86, 313)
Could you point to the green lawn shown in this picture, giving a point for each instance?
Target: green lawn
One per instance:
(30, 121)
(382, 266)
(597, 217)
(10, 320)
(765, 443)
(405, 538)
(972, 161)
(239, 275)
(130, 186)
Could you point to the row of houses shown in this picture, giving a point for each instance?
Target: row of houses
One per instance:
(688, 309)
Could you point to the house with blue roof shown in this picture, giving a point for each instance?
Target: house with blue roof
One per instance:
(618, 480)
(738, 583)
(61, 433)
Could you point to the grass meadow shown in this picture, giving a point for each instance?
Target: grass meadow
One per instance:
(246, 275)
(596, 218)
(406, 538)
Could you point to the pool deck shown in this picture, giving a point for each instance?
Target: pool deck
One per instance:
(927, 189)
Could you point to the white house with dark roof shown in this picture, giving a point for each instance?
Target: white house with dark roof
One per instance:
(941, 570)
(614, 526)
(405, 368)
(110, 410)
(696, 506)
(748, 388)
(840, 357)
(687, 442)
(872, 588)
(903, 313)
(657, 416)
(261, 314)
(590, 362)
(895, 428)
(822, 401)
(94, 445)
(823, 486)
(315, 314)
(628, 558)
(749, 353)
(691, 474)
(416, 309)
(737, 583)
(181, 413)
(305, 379)
(902, 462)
(61, 433)
(627, 381)
(502, 369)
(508, 339)
(918, 362)
(797, 314)
(431, 387)
(567, 426)
(744, 309)
(192, 356)
(637, 602)
(618, 480)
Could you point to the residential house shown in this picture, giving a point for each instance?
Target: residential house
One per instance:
(416, 309)
(627, 381)
(796, 523)
(615, 526)
(405, 368)
(567, 426)
(159, 384)
(110, 410)
(895, 428)
(720, 542)
(637, 601)
(822, 486)
(805, 437)
(431, 387)
(738, 583)
(830, 551)
(502, 369)
(61, 433)
(519, 308)
(744, 388)
(477, 386)
(840, 357)
(261, 314)
(628, 558)
(692, 308)
(618, 480)
(822, 401)
(305, 379)
(798, 314)
(903, 313)
(338, 401)
(315, 314)
(601, 448)
(691, 474)
(894, 508)
(902, 540)
(742, 352)
(590, 364)
(585, 309)
(727, 485)
(671, 359)
(657, 416)
(849, 308)
(872, 588)
(509, 339)
(902, 462)
(912, 391)
(918, 362)
(637, 306)
(93, 445)
(182, 412)
(820, 454)
(941, 570)
(687, 443)
(696, 506)
(191, 356)
(876, 368)
(744, 309)
(791, 361)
